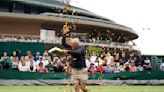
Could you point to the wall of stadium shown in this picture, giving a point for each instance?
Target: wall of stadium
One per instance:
(19, 27)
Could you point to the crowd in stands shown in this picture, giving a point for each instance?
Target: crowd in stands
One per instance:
(104, 62)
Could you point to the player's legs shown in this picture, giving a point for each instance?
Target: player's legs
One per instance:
(83, 87)
(83, 79)
(77, 87)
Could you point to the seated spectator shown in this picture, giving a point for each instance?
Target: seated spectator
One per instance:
(41, 68)
(41, 61)
(139, 59)
(45, 61)
(50, 66)
(116, 58)
(147, 64)
(14, 60)
(133, 67)
(92, 68)
(123, 59)
(93, 57)
(101, 59)
(55, 59)
(140, 67)
(66, 64)
(87, 61)
(22, 65)
(132, 59)
(107, 69)
(96, 63)
(127, 67)
(59, 67)
(112, 66)
(28, 55)
(45, 56)
(100, 69)
(117, 68)
(32, 64)
(109, 58)
(5, 61)
(37, 56)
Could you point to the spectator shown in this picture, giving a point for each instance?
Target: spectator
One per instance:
(112, 66)
(117, 68)
(100, 69)
(100, 59)
(140, 67)
(147, 64)
(123, 59)
(14, 60)
(88, 62)
(93, 57)
(132, 59)
(96, 63)
(133, 67)
(22, 65)
(41, 61)
(55, 59)
(127, 67)
(59, 67)
(41, 68)
(105, 62)
(32, 64)
(6, 62)
(116, 58)
(37, 56)
(50, 66)
(28, 55)
(67, 63)
(109, 58)
(92, 68)
(107, 69)
(45, 56)
(139, 59)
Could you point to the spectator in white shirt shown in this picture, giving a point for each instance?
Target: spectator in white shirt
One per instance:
(93, 57)
(28, 55)
(45, 62)
(32, 64)
(109, 58)
(14, 60)
(22, 65)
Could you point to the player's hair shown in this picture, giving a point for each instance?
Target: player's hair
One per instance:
(76, 40)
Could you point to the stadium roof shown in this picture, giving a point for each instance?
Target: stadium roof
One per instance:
(86, 19)
(59, 4)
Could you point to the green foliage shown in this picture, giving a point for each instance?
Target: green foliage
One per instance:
(91, 49)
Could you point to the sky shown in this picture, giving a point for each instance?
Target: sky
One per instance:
(146, 17)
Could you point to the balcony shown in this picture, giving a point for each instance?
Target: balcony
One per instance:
(57, 40)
